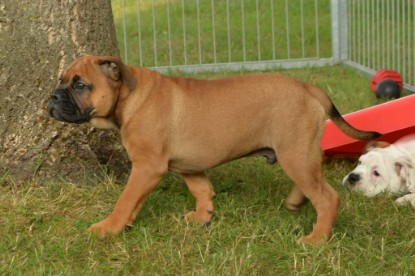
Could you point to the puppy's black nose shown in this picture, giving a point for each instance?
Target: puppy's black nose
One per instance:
(353, 178)
(56, 96)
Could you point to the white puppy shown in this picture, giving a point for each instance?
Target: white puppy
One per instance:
(386, 168)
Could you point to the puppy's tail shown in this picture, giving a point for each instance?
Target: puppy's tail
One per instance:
(337, 118)
(349, 130)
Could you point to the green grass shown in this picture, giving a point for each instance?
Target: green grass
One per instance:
(43, 230)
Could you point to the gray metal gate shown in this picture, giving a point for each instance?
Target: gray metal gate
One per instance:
(213, 35)
(381, 34)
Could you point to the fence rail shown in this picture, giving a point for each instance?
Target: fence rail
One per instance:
(211, 35)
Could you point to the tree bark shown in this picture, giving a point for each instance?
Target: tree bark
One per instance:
(38, 39)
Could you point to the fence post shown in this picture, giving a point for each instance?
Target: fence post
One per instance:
(339, 30)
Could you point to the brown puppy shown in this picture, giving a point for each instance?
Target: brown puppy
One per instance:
(189, 126)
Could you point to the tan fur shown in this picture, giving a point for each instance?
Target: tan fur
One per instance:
(375, 144)
(189, 126)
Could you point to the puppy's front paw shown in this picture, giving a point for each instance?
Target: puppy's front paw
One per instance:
(406, 199)
(401, 201)
(203, 217)
(313, 239)
(104, 228)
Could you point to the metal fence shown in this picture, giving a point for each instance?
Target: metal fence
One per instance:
(381, 34)
(211, 35)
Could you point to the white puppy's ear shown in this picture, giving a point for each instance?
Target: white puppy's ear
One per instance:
(375, 144)
(405, 170)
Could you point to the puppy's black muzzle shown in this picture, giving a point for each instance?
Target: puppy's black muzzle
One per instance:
(352, 179)
(63, 107)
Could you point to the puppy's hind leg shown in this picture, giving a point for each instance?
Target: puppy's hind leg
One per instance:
(303, 165)
(201, 189)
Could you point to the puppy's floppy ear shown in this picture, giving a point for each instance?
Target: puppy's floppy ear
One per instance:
(116, 70)
(375, 144)
(404, 168)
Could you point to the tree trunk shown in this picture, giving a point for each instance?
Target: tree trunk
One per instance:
(38, 39)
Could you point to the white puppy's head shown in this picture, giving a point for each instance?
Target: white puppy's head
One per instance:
(380, 169)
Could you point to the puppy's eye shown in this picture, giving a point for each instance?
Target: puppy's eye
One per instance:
(376, 173)
(359, 163)
(79, 86)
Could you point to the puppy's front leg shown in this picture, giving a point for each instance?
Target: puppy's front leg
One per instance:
(409, 198)
(201, 189)
(295, 199)
(143, 178)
